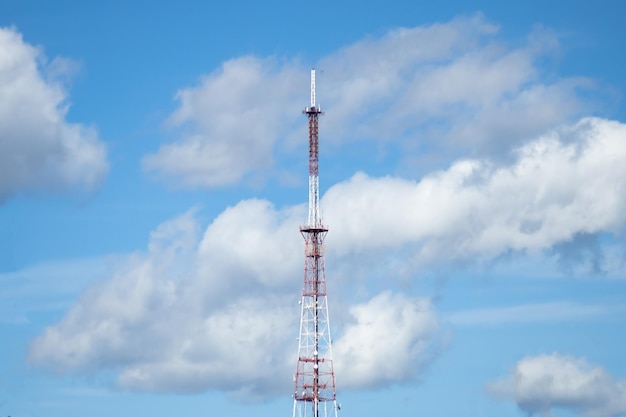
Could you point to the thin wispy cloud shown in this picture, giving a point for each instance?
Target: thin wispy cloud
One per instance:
(551, 312)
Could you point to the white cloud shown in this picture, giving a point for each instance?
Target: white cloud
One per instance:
(566, 182)
(389, 341)
(541, 384)
(452, 85)
(230, 122)
(254, 240)
(242, 348)
(219, 312)
(39, 149)
(449, 85)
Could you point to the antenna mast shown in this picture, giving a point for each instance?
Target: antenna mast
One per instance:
(314, 378)
(313, 114)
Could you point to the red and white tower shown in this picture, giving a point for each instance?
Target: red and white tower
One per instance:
(315, 394)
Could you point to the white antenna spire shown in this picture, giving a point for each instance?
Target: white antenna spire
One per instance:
(313, 87)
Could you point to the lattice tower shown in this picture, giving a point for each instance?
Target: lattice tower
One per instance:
(315, 392)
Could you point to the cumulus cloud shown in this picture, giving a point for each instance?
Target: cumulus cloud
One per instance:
(220, 312)
(567, 182)
(451, 86)
(390, 340)
(230, 122)
(39, 149)
(541, 384)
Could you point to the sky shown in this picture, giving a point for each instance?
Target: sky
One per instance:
(154, 174)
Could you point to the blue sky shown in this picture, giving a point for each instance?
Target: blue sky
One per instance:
(153, 161)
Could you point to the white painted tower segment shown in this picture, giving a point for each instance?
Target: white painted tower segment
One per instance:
(313, 87)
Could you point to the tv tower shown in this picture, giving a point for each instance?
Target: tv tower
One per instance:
(314, 378)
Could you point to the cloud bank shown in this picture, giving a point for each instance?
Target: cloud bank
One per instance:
(39, 150)
(220, 311)
(545, 383)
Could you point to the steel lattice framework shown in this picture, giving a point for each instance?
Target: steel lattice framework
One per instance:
(314, 378)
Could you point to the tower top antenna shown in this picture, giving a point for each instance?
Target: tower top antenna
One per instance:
(313, 113)
(313, 87)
